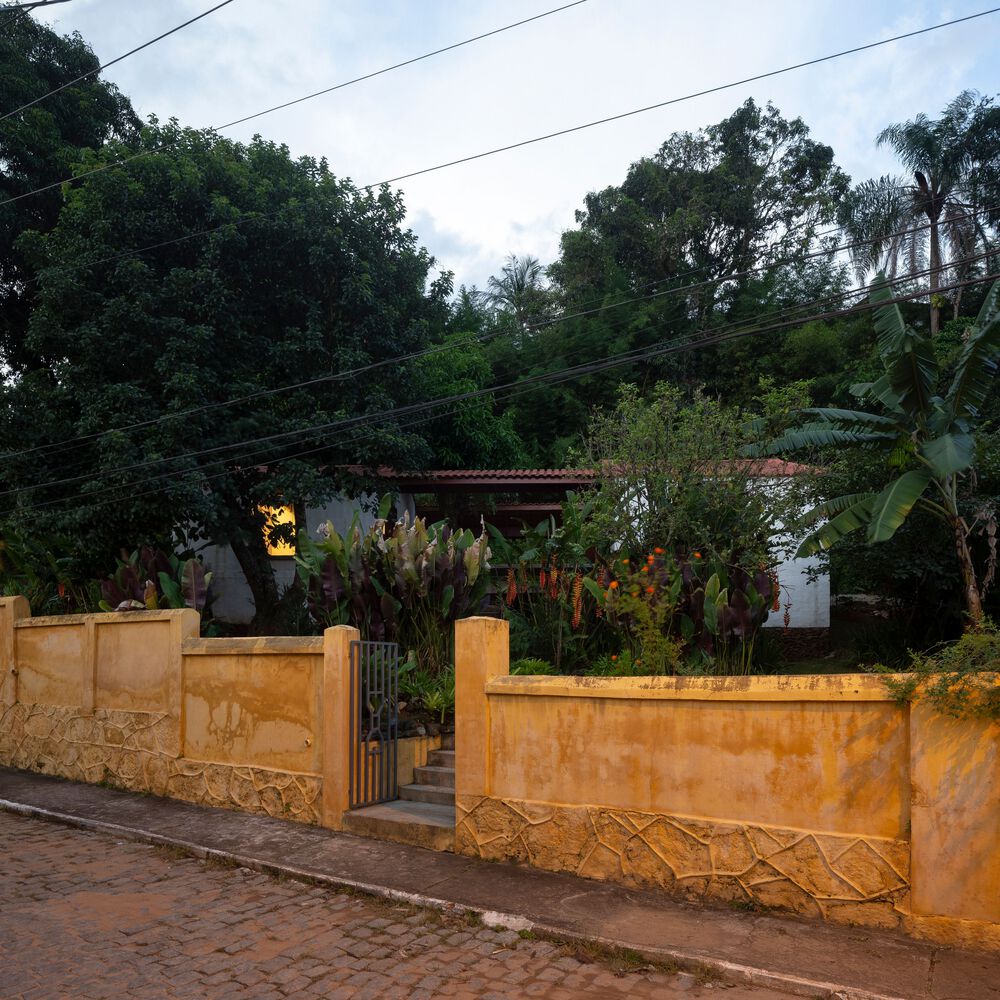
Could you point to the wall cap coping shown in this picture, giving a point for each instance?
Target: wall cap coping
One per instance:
(254, 645)
(106, 618)
(802, 687)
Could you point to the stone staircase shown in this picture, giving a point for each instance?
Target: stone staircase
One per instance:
(424, 813)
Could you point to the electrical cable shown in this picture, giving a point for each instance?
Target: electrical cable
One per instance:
(93, 72)
(573, 371)
(553, 379)
(266, 111)
(436, 349)
(576, 128)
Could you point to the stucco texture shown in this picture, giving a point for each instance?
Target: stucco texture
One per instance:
(842, 878)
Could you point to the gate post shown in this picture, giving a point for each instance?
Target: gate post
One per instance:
(481, 653)
(336, 723)
(12, 609)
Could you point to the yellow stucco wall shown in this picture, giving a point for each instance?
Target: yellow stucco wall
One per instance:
(785, 757)
(819, 795)
(254, 701)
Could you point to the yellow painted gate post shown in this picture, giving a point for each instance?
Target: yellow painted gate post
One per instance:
(12, 609)
(481, 653)
(336, 723)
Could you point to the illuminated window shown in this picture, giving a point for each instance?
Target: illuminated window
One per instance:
(278, 516)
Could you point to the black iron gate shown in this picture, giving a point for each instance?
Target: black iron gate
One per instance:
(374, 722)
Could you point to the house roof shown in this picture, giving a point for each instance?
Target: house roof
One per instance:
(540, 480)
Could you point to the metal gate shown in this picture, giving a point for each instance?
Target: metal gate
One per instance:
(374, 722)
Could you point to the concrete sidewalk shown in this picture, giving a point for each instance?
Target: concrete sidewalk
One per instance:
(805, 959)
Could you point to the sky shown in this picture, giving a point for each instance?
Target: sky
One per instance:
(596, 59)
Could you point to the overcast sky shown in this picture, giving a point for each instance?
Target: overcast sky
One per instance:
(597, 59)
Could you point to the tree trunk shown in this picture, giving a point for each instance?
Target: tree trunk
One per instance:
(274, 613)
(935, 276)
(973, 600)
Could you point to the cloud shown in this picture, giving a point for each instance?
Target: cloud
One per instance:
(598, 59)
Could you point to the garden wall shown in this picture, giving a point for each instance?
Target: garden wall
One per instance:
(138, 701)
(819, 795)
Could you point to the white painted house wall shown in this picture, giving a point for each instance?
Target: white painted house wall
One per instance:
(232, 601)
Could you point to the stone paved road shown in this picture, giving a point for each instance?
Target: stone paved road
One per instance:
(84, 916)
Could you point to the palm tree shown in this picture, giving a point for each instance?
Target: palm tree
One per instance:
(519, 291)
(941, 195)
(929, 442)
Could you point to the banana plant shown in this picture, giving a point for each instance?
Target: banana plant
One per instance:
(929, 440)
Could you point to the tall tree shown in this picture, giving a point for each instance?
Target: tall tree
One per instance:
(313, 278)
(949, 163)
(42, 145)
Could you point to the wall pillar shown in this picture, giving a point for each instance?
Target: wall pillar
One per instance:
(955, 817)
(481, 653)
(12, 609)
(336, 726)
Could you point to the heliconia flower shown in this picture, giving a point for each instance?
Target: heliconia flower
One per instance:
(511, 587)
(553, 583)
(541, 579)
(577, 599)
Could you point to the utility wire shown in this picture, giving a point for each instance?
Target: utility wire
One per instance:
(276, 107)
(93, 72)
(671, 347)
(28, 7)
(583, 368)
(561, 132)
(439, 348)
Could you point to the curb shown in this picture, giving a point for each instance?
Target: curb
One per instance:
(728, 972)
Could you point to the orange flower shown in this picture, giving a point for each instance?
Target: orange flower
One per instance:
(697, 555)
(614, 659)
(624, 562)
(645, 569)
(658, 551)
(650, 590)
(650, 559)
(613, 585)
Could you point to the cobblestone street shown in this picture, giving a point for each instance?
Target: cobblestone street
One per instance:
(85, 916)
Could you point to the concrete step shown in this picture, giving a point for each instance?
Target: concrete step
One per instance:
(447, 741)
(428, 793)
(429, 775)
(422, 824)
(441, 758)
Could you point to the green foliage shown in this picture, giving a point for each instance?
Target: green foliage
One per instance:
(149, 579)
(960, 679)
(408, 584)
(670, 474)
(46, 572)
(927, 440)
(550, 612)
(530, 666)
(433, 692)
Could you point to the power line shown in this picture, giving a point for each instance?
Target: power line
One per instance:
(28, 7)
(439, 348)
(552, 135)
(93, 72)
(277, 107)
(550, 379)
(581, 369)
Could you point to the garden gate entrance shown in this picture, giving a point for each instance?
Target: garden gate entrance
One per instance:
(374, 723)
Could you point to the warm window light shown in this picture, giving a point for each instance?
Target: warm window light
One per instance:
(276, 516)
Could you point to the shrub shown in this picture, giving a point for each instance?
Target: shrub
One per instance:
(407, 585)
(532, 667)
(961, 679)
(149, 579)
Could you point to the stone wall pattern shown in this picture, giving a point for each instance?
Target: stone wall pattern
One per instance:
(843, 878)
(140, 752)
